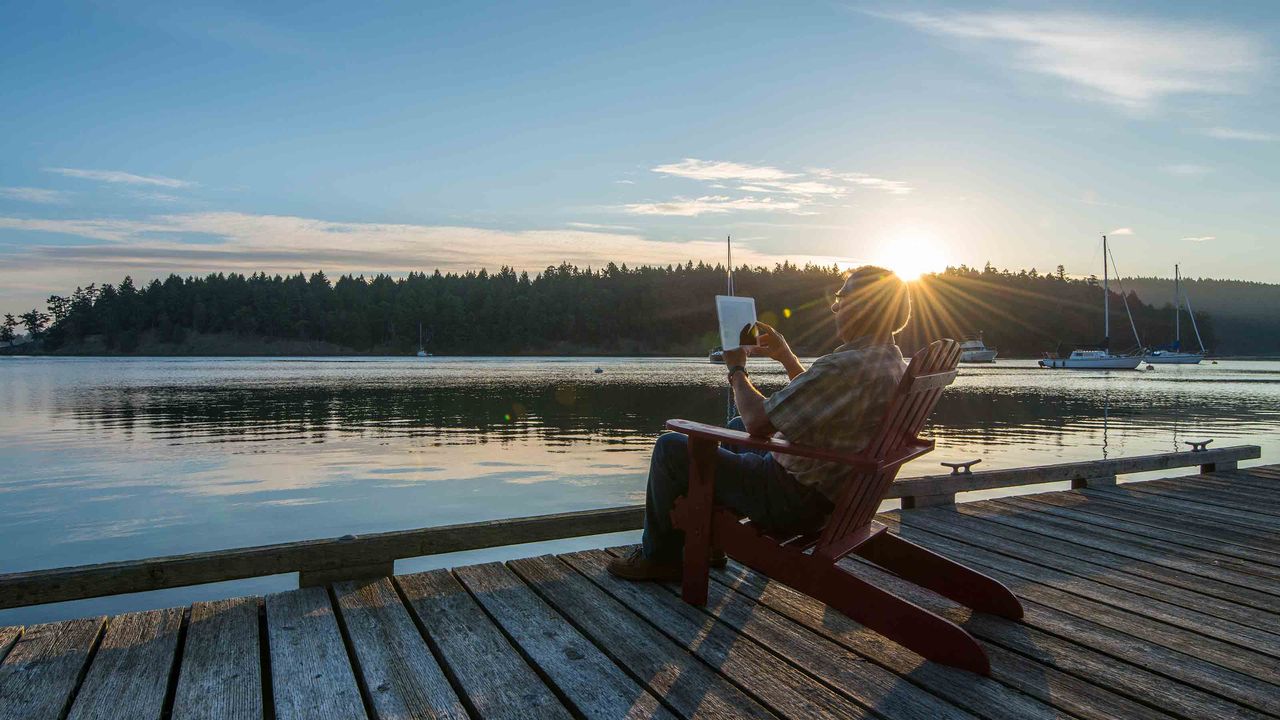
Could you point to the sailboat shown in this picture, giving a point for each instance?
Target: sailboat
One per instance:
(1172, 353)
(1099, 358)
(717, 354)
(422, 348)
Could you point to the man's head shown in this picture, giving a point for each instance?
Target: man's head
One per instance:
(873, 302)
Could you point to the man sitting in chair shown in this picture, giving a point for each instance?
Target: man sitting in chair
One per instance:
(835, 404)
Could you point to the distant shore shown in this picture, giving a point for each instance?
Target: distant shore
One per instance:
(231, 346)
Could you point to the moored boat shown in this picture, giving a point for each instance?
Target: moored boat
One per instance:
(1100, 357)
(1092, 360)
(1173, 354)
(974, 350)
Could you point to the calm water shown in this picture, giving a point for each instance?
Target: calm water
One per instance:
(109, 459)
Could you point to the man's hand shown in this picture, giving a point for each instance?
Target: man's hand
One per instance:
(736, 356)
(773, 345)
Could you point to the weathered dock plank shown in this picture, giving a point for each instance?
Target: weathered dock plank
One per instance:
(311, 675)
(8, 636)
(1234, 485)
(1105, 659)
(1064, 507)
(1174, 507)
(583, 674)
(221, 673)
(491, 672)
(1120, 508)
(1085, 596)
(401, 677)
(130, 672)
(1198, 661)
(1230, 602)
(1225, 497)
(688, 686)
(1195, 502)
(1018, 687)
(1266, 472)
(1214, 565)
(42, 671)
(743, 658)
(1044, 578)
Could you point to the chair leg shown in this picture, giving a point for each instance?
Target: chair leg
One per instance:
(910, 625)
(941, 575)
(695, 519)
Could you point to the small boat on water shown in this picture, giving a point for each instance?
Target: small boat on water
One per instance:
(1092, 360)
(716, 356)
(1099, 357)
(1172, 354)
(422, 348)
(974, 350)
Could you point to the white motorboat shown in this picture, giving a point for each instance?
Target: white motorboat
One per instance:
(1101, 357)
(974, 350)
(1173, 354)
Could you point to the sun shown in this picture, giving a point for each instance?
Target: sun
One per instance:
(910, 256)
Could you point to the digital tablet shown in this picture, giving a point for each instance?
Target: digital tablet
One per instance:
(737, 321)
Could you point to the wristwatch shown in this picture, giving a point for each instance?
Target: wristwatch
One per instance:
(736, 369)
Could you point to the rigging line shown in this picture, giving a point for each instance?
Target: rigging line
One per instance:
(1125, 297)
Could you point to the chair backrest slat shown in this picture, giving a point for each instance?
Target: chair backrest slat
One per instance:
(931, 370)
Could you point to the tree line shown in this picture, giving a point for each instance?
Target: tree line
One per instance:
(569, 310)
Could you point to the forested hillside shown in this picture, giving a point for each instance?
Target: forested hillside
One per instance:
(615, 310)
(1246, 314)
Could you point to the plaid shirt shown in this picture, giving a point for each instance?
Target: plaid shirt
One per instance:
(836, 404)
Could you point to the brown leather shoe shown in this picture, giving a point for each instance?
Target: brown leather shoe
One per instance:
(636, 566)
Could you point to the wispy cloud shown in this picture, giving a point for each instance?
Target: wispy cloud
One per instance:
(1202, 238)
(1131, 62)
(119, 176)
(1187, 169)
(598, 226)
(711, 204)
(232, 241)
(768, 188)
(696, 169)
(33, 195)
(1121, 231)
(1226, 133)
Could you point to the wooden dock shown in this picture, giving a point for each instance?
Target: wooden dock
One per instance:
(1157, 599)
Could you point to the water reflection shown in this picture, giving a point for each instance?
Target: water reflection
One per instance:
(111, 459)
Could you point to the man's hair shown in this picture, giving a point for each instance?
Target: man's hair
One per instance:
(874, 301)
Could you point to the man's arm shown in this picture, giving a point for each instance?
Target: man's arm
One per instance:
(751, 406)
(745, 395)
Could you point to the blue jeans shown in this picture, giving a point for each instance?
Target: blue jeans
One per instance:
(750, 483)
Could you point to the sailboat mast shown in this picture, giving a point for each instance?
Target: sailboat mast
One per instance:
(728, 242)
(1177, 310)
(1106, 298)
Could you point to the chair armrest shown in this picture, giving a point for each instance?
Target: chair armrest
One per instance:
(741, 439)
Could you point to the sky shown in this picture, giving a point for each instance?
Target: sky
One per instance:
(195, 137)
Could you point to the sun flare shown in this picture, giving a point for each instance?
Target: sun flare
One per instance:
(911, 256)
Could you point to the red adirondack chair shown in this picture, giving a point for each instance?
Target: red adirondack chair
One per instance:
(808, 563)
